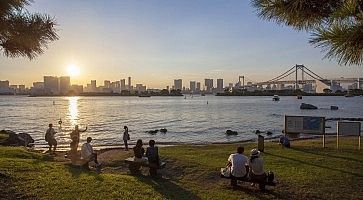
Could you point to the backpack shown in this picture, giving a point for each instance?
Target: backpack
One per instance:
(270, 177)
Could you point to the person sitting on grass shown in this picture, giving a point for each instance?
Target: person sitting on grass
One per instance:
(138, 151)
(237, 163)
(50, 138)
(88, 154)
(256, 172)
(152, 155)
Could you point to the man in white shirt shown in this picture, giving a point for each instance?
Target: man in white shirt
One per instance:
(87, 152)
(237, 162)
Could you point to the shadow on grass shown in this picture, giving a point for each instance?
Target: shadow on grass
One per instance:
(264, 195)
(322, 153)
(168, 188)
(76, 171)
(315, 165)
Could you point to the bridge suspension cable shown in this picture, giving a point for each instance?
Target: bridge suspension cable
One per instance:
(280, 76)
(319, 77)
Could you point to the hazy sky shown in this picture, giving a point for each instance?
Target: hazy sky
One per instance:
(156, 42)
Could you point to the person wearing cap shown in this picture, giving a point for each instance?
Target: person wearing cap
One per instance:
(256, 171)
(237, 163)
(50, 138)
(87, 152)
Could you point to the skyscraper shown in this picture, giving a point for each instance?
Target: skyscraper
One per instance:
(51, 84)
(178, 84)
(93, 86)
(208, 83)
(220, 85)
(198, 87)
(129, 83)
(192, 86)
(123, 84)
(64, 84)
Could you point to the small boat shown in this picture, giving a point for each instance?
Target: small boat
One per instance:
(144, 95)
(299, 97)
(202, 94)
(349, 95)
(276, 98)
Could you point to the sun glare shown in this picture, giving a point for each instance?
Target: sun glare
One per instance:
(73, 70)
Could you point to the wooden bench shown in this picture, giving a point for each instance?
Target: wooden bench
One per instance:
(244, 179)
(134, 166)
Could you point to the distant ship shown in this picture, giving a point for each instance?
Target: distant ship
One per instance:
(299, 97)
(349, 95)
(144, 95)
(276, 98)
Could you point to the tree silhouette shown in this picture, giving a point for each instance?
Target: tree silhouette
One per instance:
(23, 33)
(336, 26)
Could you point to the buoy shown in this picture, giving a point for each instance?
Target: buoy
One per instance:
(60, 121)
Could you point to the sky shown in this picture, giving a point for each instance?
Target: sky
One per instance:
(157, 41)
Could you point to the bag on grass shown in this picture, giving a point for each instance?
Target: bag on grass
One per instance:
(226, 172)
(270, 177)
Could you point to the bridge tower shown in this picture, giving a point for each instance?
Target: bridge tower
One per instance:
(297, 67)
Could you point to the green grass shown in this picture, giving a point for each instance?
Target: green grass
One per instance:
(306, 171)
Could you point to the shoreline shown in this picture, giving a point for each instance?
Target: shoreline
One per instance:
(118, 147)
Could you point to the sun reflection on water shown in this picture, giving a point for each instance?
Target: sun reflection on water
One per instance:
(73, 110)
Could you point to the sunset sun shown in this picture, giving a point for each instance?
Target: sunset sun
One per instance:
(73, 70)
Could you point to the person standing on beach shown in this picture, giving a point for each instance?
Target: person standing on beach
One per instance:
(126, 137)
(49, 137)
(75, 135)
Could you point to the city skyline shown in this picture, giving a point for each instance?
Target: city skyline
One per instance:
(157, 42)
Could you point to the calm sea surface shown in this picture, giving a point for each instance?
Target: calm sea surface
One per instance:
(197, 120)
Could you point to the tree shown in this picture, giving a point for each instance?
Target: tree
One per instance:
(23, 33)
(336, 26)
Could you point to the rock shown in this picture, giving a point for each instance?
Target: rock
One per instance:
(163, 130)
(308, 106)
(269, 133)
(21, 139)
(334, 108)
(230, 132)
(152, 132)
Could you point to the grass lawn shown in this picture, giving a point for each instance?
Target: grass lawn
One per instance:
(306, 171)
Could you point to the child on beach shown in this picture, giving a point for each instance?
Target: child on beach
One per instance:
(126, 137)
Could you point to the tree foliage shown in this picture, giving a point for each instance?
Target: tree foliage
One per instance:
(336, 26)
(23, 33)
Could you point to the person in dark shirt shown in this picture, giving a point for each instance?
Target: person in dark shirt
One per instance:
(139, 150)
(152, 154)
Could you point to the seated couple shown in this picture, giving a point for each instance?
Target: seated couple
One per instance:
(88, 154)
(241, 167)
(152, 155)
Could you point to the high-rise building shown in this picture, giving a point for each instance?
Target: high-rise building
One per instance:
(93, 86)
(129, 83)
(178, 84)
(107, 84)
(192, 86)
(51, 84)
(64, 84)
(198, 87)
(220, 85)
(123, 84)
(22, 87)
(208, 83)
